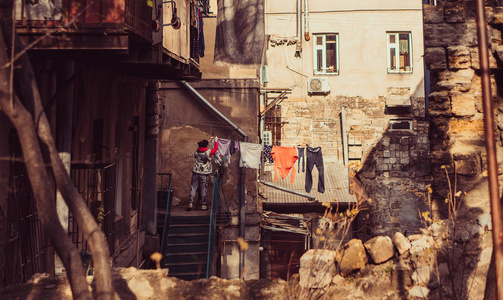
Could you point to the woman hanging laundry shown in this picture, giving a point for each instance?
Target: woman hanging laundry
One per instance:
(201, 171)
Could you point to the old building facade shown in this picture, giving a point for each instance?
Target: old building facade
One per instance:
(354, 75)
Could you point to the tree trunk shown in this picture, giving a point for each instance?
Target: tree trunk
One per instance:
(29, 118)
(41, 185)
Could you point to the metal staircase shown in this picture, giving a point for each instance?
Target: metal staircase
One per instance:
(189, 238)
(186, 251)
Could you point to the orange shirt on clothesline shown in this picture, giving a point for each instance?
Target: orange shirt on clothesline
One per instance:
(284, 160)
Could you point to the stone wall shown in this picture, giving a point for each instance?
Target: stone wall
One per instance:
(455, 101)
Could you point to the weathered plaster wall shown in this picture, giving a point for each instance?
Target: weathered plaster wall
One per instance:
(457, 133)
(184, 123)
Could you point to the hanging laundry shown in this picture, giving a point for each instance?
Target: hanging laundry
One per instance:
(201, 35)
(284, 160)
(301, 157)
(267, 157)
(222, 155)
(250, 155)
(234, 147)
(314, 157)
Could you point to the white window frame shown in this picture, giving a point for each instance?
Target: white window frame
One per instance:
(396, 47)
(323, 49)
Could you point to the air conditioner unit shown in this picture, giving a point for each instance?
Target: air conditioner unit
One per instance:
(266, 138)
(318, 85)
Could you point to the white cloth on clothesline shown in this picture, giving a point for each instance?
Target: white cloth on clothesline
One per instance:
(251, 155)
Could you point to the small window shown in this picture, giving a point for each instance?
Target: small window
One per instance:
(399, 54)
(326, 54)
(400, 124)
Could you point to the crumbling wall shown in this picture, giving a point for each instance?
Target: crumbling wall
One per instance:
(455, 101)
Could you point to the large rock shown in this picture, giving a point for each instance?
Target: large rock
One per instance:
(380, 249)
(351, 257)
(317, 268)
(485, 221)
(401, 243)
(140, 286)
(421, 275)
(419, 292)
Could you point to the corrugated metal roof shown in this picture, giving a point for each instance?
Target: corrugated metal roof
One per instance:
(336, 186)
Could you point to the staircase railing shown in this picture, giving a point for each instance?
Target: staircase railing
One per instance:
(168, 209)
(216, 204)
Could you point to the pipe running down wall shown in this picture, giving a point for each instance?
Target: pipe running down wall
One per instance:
(242, 170)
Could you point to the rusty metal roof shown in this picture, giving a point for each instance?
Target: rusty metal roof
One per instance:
(336, 186)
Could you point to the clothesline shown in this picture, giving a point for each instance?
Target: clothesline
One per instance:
(253, 155)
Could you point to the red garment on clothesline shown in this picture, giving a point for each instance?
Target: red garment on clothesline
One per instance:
(284, 160)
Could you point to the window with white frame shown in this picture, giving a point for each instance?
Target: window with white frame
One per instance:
(399, 49)
(326, 52)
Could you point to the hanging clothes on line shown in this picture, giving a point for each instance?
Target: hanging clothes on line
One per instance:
(301, 157)
(222, 155)
(250, 155)
(202, 46)
(234, 147)
(267, 157)
(314, 157)
(284, 160)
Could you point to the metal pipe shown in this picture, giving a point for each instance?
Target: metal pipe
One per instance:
(286, 190)
(345, 146)
(242, 171)
(492, 162)
(299, 20)
(306, 20)
(213, 109)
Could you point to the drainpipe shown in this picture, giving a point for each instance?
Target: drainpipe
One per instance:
(345, 146)
(299, 20)
(492, 162)
(306, 20)
(242, 171)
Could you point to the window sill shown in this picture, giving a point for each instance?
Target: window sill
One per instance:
(325, 74)
(400, 72)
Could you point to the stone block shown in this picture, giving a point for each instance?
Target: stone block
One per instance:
(450, 34)
(401, 243)
(459, 57)
(386, 154)
(454, 12)
(382, 167)
(439, 109)
(439, 97)
(497, 15)
(435, 58)
(467, 163)
(457, 80)
(463, 104)
(317, 268)
(351, 257)
(380, 249)
(432, 14)
(475, 59)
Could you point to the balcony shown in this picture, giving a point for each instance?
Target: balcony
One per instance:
(115, 33)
